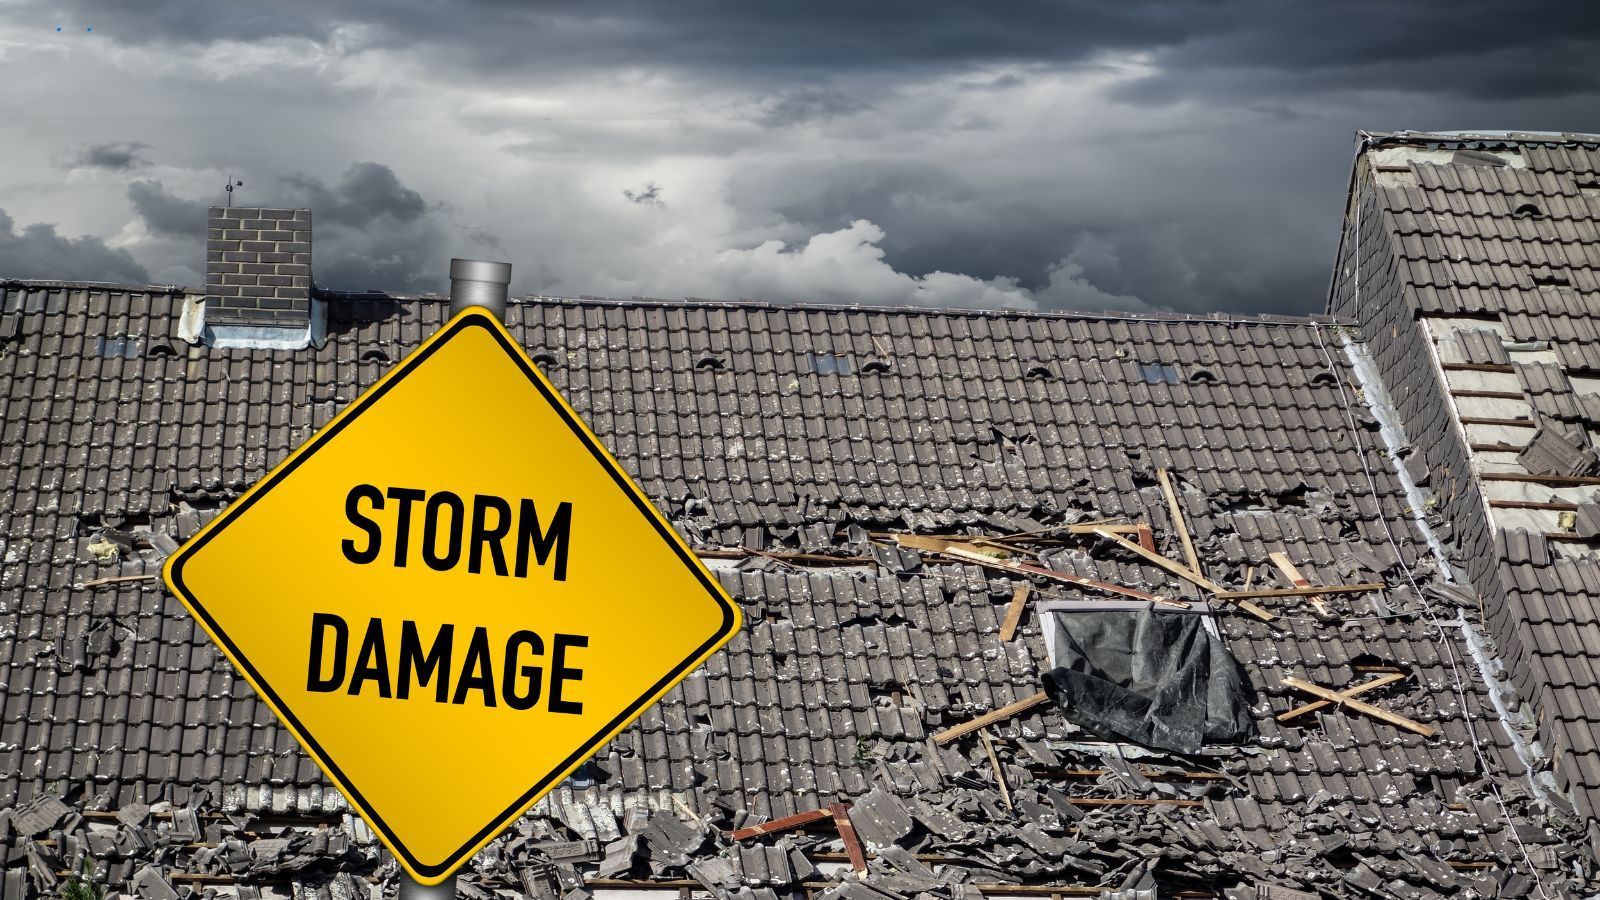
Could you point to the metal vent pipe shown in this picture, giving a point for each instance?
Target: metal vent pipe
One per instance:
(473, 282)
(476, 282)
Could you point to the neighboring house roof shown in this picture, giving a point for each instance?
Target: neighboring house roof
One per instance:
(766, 430)
(1473, 265)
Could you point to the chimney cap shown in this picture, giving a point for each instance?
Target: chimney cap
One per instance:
(480, 270)
(477, 282)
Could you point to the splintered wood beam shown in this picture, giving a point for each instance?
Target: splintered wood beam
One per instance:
(120, 579)
(1347, 693)
(994, 763)
(1177, 569)
(1019, 601)
(991, 717)
(1089, 527)
(1281, 560)
(1186, 574)
(847, 834)
(1130, 801)
(1178, 522)
(1305, 591)
(677, 800)
(1338, 699)
(923, 542)
(1147, 538)
(1551, 505)
(1539, 479)
(1155, 774)
(1477, 367)
(968, 553)
(783, 824)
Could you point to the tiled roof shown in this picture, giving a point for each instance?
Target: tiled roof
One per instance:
(1473, 264)
(806, 429)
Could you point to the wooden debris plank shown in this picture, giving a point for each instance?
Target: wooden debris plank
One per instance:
(1249, 577)
(120, 579)
(1281, 560)
(1347, 693)
(1177, 569)
(994, 763)
(847, 834)
(677, 800)
(1179, 523)
(819, 559)
(1148, 773)
(1019, 602)
(813, 887)
(1570, 480)
(783, 824)
(1329, 694)
(772, 556)
(1303, 591)
(1147, 538)
(1186, 574)
(922, 542)
(989, 718)
(1551, 505)
(1252, 609)
(966, 553)
(1477, 367)
(1129, 801)
(1090, 528)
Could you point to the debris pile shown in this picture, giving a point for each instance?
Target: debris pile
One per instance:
(163, 851)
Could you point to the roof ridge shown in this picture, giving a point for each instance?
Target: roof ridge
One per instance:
(1406, 136)
(120, 287)
(814, 306)
(742, 303)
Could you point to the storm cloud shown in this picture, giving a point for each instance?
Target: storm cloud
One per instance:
(1140, 155)
(166, 214)
(39, 251)
(116, 156)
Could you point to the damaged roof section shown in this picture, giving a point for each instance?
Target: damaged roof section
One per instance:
(1476, 284)
(1028, 450)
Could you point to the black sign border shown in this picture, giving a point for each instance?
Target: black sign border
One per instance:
(364, 402)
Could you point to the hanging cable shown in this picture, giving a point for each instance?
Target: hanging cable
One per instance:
(1441, 640)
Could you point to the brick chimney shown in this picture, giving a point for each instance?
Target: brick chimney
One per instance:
(258, 279)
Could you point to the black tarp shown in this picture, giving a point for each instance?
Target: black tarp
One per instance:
(1158, 679)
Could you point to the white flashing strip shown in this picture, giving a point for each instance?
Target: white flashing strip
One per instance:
(1528, 750)
(1489, 667)
(1377, 400)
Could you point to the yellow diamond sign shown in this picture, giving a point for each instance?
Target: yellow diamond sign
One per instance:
(452, 595)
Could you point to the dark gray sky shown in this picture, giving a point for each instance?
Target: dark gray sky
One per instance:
(1133, 155)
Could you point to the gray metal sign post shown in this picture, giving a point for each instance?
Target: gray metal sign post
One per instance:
(473, 282)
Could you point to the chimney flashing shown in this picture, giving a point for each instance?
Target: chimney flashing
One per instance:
(312, 333)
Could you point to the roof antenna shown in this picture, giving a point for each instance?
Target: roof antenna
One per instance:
(229, 188)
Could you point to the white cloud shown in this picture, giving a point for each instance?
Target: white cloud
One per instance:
(843, 266)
